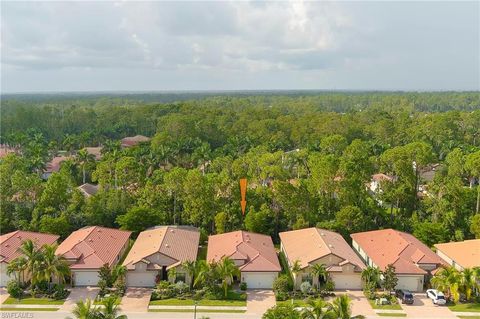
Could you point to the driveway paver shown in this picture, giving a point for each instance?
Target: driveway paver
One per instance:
(360, 304)
(79, 293)
(258, 301)
(423, 307)
(3, 295)
(136, 300)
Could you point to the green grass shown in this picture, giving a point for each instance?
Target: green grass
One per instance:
(469, 317)
(28, 309)
(296, 302)
(203, 302)
(202, 253)
(33, 301)
(198, 310)
(392, 314)
(99, 302)
(465, 307)
(384, 307)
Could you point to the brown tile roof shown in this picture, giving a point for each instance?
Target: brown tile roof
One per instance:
(10, 243)
(95, 151)
(134, 140)
(92, 247)
(88, 189)
(54, 164)
(5, 150)
(381, 177)
(464, 253)
(402, 250)
(177, 242)
(309, 244)
(255, 250)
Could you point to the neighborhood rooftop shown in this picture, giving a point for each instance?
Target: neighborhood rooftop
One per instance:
(256, 250)
(93, 246)
(465, 253)
(11, 242)
(402, 250)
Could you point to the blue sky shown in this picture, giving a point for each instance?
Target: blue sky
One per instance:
(108, 46)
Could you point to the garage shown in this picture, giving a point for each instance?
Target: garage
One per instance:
(347, 281)
(4, 278)
(85, 278)
(412, 283)
(259, 280)
(141, 279)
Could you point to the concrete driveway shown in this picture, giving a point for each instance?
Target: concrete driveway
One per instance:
(423, 307)
(3, 295)
(258, 301)
(360, 304)
(136, 300)
(79, 293)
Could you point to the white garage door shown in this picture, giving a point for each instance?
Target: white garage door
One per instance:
(85, 278)
(141, 279)
(344, 281)
(259, 280)
(411, 283)
(4, 278)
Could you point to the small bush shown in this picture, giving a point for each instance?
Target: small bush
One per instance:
(282, 284)
(243, 286)
(14, 289)
(281, 296)
(305, 287)
(330, 285)
(58, 292)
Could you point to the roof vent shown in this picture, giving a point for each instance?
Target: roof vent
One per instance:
(323, 234)
(172, 231)
(90, 240)
(167, 245)
(330, 245)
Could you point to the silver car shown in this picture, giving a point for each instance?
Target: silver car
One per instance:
(437, 297)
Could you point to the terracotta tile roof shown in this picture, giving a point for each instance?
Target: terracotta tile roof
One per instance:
(54, 164)
(88, 189)
(95, 151)
(464, 253)
(404, 251)
(177, 242)
(11, 242)
(134, 140)
(309, 244)
(256, 251)
(92, 247)
(5, 150)
(381, 177)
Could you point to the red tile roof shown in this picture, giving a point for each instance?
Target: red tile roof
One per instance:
(464, 253)
(381, 177)
(177, 242)
(92, 247)
(134, 140)
(402, 250)
(309, 244)
(11, 242)
(54, 164)
(95, 151)
(255, 250)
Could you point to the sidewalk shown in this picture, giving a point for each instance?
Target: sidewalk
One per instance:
(198, 308)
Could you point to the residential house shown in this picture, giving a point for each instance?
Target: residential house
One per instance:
(89, 248)
(133, 140)
(377, 179)
(312, 246)
(9, 248)
(53, 166)
(88, 190)
(461, 255)
(159, 249)
(414, 262)
(95, 151)
(254, 254)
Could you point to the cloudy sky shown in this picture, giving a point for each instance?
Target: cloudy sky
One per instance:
(103, 46)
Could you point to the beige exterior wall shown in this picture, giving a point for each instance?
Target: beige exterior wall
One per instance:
(362, 254)
(449, 260)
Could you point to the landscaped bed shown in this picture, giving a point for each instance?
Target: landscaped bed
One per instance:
(233, 299)
(33, 301)
(465, 307)
(384, 307)
(296, 302)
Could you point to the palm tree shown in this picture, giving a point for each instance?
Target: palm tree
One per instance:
(370, 275)
(85, 310)
(190, 267)
(53, 265)
(317, 309)
(341, 307)
(111, 309)
(296, 268)
(118, 271)
(321, 272)
(226, 270)
(83, 159)
(172, 274)
(17, 268)
(447, 280)
(202, 269)
(33, 257)
(468, 281)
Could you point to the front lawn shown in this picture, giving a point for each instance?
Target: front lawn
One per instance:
(296, 302)
(98, 301)
(384, 307)
(465, 307)
(234, 299)
(33, 301)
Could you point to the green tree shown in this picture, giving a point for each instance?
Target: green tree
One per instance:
(226, 269)
(472, 165)
(85, 310)
(281, 312)
(390, 279)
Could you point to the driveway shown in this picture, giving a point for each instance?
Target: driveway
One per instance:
(3, 295)
(136, 300)
(360, 304)
(423, 307)
(79, 293)
(258, 301)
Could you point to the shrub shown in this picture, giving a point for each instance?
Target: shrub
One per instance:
(282, 284)
(181, 287)
(163, 284)
(102, 284)
(14, 289)
(305, 287)
(120, 287)
(243, 286)
(58, 292)
(281, 296)
(329, 285)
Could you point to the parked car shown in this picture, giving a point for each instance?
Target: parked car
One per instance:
(437, 296)
(405, 296)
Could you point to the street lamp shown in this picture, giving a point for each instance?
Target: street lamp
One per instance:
(195, 310)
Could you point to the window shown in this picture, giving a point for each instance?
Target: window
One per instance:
(180, 277)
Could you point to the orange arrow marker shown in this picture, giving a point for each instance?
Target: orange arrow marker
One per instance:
(243, 193)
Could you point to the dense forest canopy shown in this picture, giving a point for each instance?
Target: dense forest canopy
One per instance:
(308, 157)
